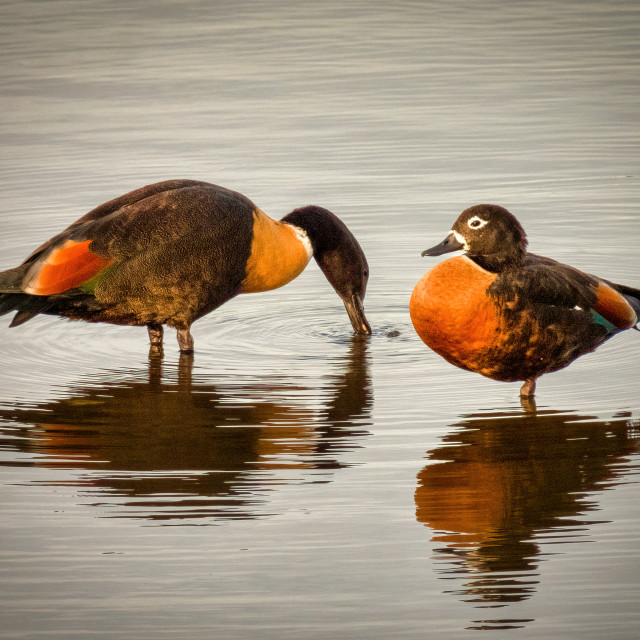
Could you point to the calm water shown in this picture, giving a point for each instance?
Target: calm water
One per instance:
(292, 481)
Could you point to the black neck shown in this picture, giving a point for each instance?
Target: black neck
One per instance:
(325, 230)
(498, 262)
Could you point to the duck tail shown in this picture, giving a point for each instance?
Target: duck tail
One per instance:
(12, 298)
(11, 279)
(27, 306)
(628, 291)
(632, 296)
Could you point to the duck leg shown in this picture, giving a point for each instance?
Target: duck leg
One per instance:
(528, 389)
(155, 338)
(185, 340)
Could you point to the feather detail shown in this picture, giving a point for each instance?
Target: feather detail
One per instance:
(66, 267)
(614, 307)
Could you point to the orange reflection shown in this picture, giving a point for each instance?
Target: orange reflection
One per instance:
(502, 480)
(186, 449)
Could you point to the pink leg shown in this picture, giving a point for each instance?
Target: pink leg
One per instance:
(155, 338)
(185, 340)
(528, 389)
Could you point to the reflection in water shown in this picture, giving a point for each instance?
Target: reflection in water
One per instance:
(187, 450)
(502, 481)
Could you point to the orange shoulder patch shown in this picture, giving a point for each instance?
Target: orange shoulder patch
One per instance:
(66, 267)
(613, 306)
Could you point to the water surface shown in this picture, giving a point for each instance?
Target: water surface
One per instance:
(291, 480)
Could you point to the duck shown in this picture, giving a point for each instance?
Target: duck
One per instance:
(171, 252)
(508, 314)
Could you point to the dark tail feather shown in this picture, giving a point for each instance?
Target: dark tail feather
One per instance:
(27, 306)
(11, 279)
(628, 291)
(632, 296)
(21, 317)
(5, 304)
(10, 302)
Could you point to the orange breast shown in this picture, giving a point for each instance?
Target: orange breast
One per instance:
(463, 496)
(451, 312)
(279, 253)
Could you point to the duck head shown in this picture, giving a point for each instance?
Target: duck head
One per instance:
(340, 257)
(489, 234)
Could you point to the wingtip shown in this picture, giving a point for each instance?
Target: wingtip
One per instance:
(21, 317)
(26, 307)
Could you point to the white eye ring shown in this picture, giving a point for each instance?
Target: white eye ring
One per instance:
(476, 223)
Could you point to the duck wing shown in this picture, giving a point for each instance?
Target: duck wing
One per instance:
(164, 234)
(543, 282)
(139, 222)
(109, 210)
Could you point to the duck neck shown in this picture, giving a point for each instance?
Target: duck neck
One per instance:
(499, 262)
(339, 256)
(321, 226)
(279, 253)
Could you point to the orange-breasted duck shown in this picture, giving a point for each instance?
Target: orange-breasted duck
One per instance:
(509, 314)
(173, 251)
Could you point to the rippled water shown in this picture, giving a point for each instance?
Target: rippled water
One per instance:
(290, 480)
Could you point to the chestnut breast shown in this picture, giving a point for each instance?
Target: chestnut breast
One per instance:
(452, 313)
(279, 253)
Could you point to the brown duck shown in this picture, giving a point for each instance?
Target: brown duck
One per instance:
(509, 314)
(173, 251)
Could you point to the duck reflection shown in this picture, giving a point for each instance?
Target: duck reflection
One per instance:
(180, 449)
(503, 480)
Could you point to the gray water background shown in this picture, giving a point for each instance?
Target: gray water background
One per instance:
(295, 482)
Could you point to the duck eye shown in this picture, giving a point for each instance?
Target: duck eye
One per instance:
(476, 222)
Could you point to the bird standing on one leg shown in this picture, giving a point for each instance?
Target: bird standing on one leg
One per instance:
(508, 314)
(173, 251)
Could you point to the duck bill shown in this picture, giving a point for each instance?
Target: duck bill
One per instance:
(355, 309)
(450, 243)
